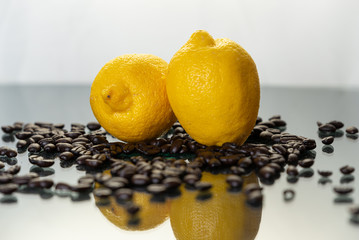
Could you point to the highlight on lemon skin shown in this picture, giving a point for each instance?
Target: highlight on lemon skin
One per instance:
(213, 88)
(129, 99)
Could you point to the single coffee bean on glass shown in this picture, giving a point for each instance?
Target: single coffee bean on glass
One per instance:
(8, 188)
(343, 190)
(325, 173)
(34, 147)
(327, 128)
(347, 169)
(337, 124)
(7, 129)
(328, 140)
(234, 181)
(352, 130)
(306, 163)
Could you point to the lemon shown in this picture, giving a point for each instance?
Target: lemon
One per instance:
(213, 88)
(129, 99)
(223, 216)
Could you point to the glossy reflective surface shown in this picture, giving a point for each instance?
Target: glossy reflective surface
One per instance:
(311, 214)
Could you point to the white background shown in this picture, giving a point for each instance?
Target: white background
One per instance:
(296, 43)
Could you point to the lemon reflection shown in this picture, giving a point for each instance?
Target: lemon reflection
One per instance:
(221, 215)
(151, 214)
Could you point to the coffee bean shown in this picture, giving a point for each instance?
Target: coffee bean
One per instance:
(62, 186)
(66, 156)
(81, 187)
(40, 183)
(2, 165)
(156, 188)
(234, 181)
(288, 195)
(172, 182)
(255, 198)
(306, 163)
(22, 143)
(347, 169)
(93, 162)
(63, 147)
(123, 194)
(73, 134)
(176, 146)
(203, 186)
(343, 190)
(352, 130)
(102, 192)
(34, 147)
(93, 126)
(191, 179)
(23, 135)
(113, 185)
(8, 188)
(252, 187)
(8, 152)
(45, 141)
(337, 124)
(7, 129)
(237, 170)
(325, 173)
(309, 144)
(328, 140)
(13, 170)
(87, 179)
(266, 135)
(5, 178)
(327, 128)
(101, 178)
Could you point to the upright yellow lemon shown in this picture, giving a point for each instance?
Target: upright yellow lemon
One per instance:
(129, 99)
(213, 88)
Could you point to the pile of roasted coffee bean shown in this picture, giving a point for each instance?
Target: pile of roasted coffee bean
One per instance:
(159, 166)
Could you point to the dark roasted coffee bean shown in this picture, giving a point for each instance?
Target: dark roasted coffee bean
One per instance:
(245, 162)
(267, 173)
(123, 194)
(325, 173)
(82, 159)
(22, 143)
(203, 186)
(101, 178)
(261, 161)
(34, 147)
(343, 190)
(266, 135)
(276, 167)
(277, 158)
(62, 186)
(327, 128)
(214, 162)
(306, 163)
(81, 187)
(140, 180)
(132, 208)
(93, 126)
(63, 147)
(156, 178)
(292, 170)
(269, 124)
(73, 134)
(8, 188)
(255, 198)
(98, 139)
(93, 162)
(309, 144)
(234, 181)
(288, 195)
(40, 183)
(352, 130)
(347, 169)
(328, 140)
(64, 140)
(292, 159)
(59, 125)
(37, 137)
(176, 146)
(279, 122)
(66, 156)
(5, 178)
(21, 180)
(102, 192)
(43, 162)
(7, 129)
(156, 188)
(113, 185)
(2, 165)
(128, 148)
(337, 124)
(237, 170)
(45, 141)
(23, 135)
(191, 179)
(87, 179)
(172, 182)
(252, 187)
(279, 149)
(13, 169)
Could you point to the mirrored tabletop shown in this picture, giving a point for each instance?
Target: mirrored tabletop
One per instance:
(320, 201)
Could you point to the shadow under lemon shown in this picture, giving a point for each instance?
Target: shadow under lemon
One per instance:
(216, 214)
(223, 215)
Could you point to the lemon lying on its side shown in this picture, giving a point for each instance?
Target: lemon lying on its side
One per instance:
(213, 89)
(129, 99)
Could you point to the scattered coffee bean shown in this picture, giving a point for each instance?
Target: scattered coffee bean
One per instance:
(8, 188)
(347, 169)
(255, 198)
(203, 186)
(172, 182)
(102, 192)
(7, 129)
(327, 128)
(93, 126)
(306, 163)
(156, 188)
(351, 130)
(337, 124)
(343, 190)
(123, 194)
(66, 156)
(13, 170)
(234, 181)
(328, 140)
(292, 170)
(325, 173)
